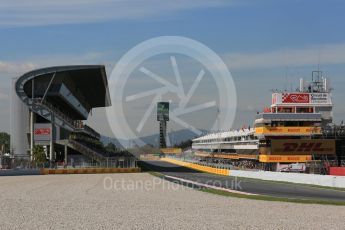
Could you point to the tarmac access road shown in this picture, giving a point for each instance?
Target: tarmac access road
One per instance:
(253, 186)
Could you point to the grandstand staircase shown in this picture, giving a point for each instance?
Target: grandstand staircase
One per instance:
(86, 151)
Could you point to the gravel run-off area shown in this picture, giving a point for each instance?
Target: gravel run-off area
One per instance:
(141, 201)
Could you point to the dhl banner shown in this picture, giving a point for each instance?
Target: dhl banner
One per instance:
(302, 147)
(171, 151)
(284, 159)
(288, 130)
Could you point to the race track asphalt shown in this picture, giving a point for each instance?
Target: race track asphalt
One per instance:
(253, 186)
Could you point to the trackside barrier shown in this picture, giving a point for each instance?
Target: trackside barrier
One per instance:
(90, 171)
(202, 168)
(311, 179)
(337, 171)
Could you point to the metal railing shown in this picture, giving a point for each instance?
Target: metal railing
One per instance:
(116, 162)
(76, 125)
(85, 150)
(121, 162)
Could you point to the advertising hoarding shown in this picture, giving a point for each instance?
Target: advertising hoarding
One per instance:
(302, 147)
(284, 159)
(320, 98)
(288, 130)
(301, 98)
(171, 150)
(42, 132)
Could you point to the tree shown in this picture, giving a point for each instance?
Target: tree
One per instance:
(39, 155)
(111, 148)
(5, 140)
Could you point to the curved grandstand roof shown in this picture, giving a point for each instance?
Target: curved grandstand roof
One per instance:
(64, 95)
(89, 80)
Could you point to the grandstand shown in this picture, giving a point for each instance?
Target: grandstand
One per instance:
(54, 102)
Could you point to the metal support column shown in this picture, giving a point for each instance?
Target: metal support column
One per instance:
(32, 121)
(66, 155)
(162, 133)
(51, 152)
(32, 124)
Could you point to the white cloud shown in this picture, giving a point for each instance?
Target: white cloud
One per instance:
(325, 54)
(22, 66)
(42, 12)
(12, 67)
(69, 59)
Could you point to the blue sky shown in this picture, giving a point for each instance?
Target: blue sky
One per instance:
(266, 44)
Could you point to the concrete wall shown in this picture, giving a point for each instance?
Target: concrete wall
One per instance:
(322, 180)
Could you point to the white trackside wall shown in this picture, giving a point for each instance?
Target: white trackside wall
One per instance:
(321, 180)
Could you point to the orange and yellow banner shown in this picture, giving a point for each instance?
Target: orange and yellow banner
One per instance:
(284, 158)
(171, 151)
(288, 130)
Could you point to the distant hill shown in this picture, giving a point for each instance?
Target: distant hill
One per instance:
(175, 137)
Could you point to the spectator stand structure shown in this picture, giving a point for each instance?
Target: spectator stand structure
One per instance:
(54, 102)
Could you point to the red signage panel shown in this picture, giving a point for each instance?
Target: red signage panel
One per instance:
(42, 131)
(300, 98)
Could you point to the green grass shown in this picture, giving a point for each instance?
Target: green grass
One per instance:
(261, 197)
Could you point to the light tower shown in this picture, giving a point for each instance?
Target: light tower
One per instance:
(162, 117)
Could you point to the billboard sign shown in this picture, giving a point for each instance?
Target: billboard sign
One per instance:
(42, 132)
(284, 158)
(163, 111)
(302, 147)
(301, 98)
(319, 98)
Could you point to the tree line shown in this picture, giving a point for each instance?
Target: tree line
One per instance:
(5, 140)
